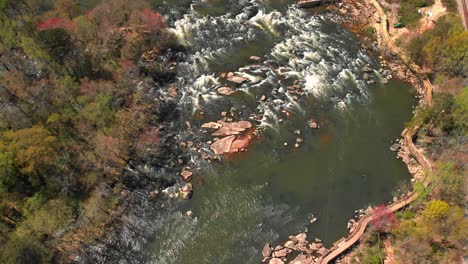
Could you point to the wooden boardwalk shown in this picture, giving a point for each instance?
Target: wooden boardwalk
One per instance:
(342, 246)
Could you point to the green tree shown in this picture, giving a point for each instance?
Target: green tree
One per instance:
(436, 210)
(34, 150)
(8, 173)
(460, 111)
(451, 181)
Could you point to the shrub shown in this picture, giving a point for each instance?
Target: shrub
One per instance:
(51, 217)
(436, 210)
(24, 250)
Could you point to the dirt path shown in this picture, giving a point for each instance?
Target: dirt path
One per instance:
(408, 134)
(463, 9)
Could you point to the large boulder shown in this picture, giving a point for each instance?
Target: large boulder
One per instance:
(234, 128)
(240, 143)
(223, 145)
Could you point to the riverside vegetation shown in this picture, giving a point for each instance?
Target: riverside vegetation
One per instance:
(434, 228)
(72, 116)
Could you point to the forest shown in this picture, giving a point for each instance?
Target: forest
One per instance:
(72, 116)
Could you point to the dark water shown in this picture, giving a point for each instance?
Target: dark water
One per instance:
(270, 192)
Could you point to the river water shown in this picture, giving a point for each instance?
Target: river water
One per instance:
(271, 191)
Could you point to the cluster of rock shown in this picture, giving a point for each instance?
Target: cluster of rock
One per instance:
(309, 253)
(230, 137)
(369, 76)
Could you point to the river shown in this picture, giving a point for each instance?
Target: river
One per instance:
(271, 191)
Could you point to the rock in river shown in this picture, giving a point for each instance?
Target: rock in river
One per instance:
(223, 145)
(225, 90)
(186, 174)
(395, 147)
(276, 261)
(237, 79)
(212, 125)
(266, 252)
(233, 128)
(186, 191)
(313, 124)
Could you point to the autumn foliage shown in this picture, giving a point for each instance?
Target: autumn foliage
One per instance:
(55, 22)
(152, 19)
(384, 219)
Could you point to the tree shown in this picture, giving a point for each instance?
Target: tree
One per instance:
(450, 181)
(8, 172)
(54, 23)
(460, 111)
(454, 53)
(56, 42)
(34, 150)
(67, 8)
(383, 219)
(436, 210)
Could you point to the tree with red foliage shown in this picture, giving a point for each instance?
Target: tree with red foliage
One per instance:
(383, 219)
(55, 22)
(153, 20)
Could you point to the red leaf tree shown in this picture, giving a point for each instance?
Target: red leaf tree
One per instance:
(55, 22)
(383, 219)
(152, 19)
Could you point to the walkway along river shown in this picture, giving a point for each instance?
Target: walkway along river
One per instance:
(408, 134)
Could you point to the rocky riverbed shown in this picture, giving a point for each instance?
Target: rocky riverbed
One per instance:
(280, 96)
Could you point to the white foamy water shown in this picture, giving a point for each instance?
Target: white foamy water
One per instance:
(302, 47)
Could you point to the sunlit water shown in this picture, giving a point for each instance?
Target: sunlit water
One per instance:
(270, 192)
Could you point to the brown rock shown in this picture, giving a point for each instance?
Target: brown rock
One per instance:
(301, 238)
(281, 253)
(186, 174)
(212, 125)
(186, 191)
(313, 124)
(278, 248)
(276, 261)
(237, 79)
(289, 244)
(266, 252)
(173, 91)
(223, 145)
(234, 128)
(255, 58)
(225, 91)
(240, 143)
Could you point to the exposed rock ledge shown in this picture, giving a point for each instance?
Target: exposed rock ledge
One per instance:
(236, 136)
